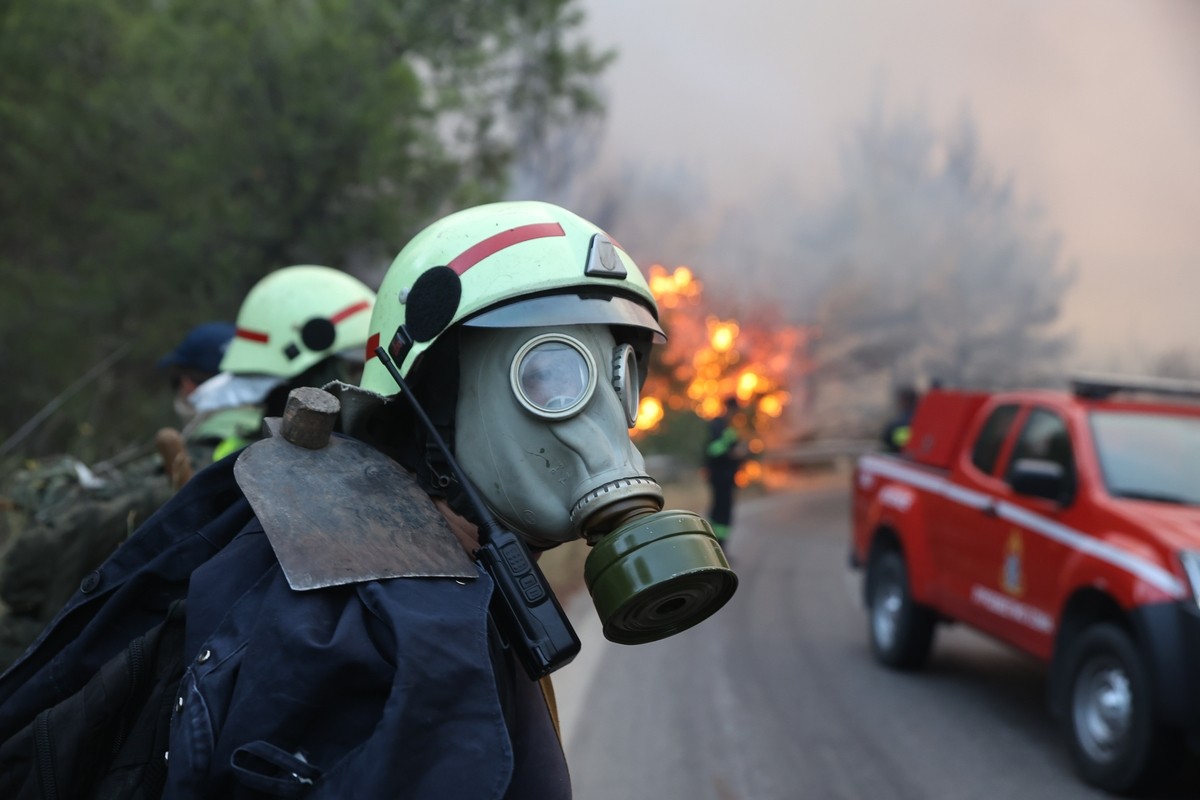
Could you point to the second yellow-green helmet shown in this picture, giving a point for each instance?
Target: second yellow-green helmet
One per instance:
(296, 317)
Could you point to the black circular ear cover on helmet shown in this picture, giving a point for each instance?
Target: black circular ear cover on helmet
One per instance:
(431, 303)
(318, 334)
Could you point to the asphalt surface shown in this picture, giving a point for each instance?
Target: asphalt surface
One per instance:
(777, 695)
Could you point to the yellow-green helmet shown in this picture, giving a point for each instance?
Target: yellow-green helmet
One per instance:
(511, 264)
(296, 317)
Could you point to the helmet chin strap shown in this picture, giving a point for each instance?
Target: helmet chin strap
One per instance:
(440, 396)
(438, 478)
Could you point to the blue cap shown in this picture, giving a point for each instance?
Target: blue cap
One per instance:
(202, 348)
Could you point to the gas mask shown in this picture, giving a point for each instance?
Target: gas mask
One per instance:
(542, 431)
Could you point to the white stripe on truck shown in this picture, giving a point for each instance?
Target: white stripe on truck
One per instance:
(1138, 567)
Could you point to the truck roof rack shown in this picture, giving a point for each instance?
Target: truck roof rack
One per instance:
(1100, 386)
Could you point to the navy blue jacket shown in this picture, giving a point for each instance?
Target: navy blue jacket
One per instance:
(387, 688)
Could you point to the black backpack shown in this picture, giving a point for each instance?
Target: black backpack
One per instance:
(109, 739)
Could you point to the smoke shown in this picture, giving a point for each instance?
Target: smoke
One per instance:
(920, 238)
(918, 264)
(1088, 104)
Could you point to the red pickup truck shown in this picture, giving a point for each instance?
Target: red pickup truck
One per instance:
(1066, 524)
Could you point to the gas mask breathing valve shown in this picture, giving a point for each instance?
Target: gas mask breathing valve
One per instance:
(596, 510)
(651, 573)
(658, 573)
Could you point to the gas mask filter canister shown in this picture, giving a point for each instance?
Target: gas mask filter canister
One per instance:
(542, 430)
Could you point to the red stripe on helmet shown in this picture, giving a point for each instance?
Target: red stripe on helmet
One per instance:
(372, 343)
(494, 244)
(350, 311)
(254, 336)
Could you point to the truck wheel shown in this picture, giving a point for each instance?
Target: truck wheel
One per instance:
(901, 630)
(1114, 740)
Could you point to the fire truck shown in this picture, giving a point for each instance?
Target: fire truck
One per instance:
(1067, 525)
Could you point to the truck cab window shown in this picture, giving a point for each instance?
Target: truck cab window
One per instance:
(991, 438)
(1045, 437)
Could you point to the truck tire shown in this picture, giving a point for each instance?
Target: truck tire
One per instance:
(900, 629)
(1115, 742)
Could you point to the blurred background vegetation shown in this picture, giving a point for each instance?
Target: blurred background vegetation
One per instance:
(159, 157)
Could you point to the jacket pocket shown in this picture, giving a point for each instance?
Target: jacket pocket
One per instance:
(263, 766)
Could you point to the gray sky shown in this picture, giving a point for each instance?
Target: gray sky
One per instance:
(1092, 107)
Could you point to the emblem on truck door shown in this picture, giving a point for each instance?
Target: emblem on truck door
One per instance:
(1012, 573)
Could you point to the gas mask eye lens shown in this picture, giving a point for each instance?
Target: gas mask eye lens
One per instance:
(625, 381)
(553, 375)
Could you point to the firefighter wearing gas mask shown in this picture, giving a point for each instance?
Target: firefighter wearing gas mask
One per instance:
(527, 330)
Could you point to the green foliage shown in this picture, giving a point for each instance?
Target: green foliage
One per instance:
(161, 156)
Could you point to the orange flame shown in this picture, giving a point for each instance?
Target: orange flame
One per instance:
(722, 335)
(708, 358)
(650, 413)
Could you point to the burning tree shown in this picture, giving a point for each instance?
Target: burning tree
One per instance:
(708, 358)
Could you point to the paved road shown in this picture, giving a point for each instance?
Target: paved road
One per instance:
(776, 697)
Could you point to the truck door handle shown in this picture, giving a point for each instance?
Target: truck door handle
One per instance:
(989, 510)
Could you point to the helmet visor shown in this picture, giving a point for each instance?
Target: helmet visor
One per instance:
(569, 309)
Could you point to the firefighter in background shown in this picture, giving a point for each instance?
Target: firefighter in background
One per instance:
(298, 326)
(723, 456)
(303, 325)
(898, 430)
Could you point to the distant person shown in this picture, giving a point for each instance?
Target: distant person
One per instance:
(723, 457)
(898, 430)
(194, 361)
(298, 326)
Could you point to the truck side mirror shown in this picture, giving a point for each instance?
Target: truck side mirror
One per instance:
(1039, 478)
